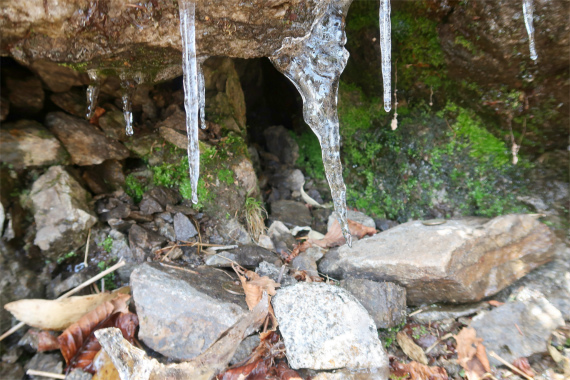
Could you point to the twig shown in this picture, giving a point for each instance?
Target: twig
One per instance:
(511, 367)
(446, 336)
(46, 374)
(72, 291)
(87, 248)
(281, 273)
(180, 268)
(416, 312)
(168, 253)
(518, 328)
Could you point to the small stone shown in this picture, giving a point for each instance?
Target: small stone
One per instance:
(11, 371)
(325, 327)
(291, 179)
(45, 362)
(305, 263)
(149, 205)
(71, 102)
(384, 224)
(181, 314)
(166, 230)
(113, 125)
(58, 286)
(264, 241)
(166, 197)
(78, 374)
(231, 231)
(282, 238)
(12, 355)
(248, 256)
(355, 216)
(518, 329)
(291, 213)
(385, 301)
(142, 243)
(280, 143)
(183, 227)
(272, 271)
(26, 94)
(442, 312)
(245, 348)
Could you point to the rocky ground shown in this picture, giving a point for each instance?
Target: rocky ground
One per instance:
(408, 301)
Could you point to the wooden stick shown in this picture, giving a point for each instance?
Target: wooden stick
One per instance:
(72, 291)
(511, 367)
(46, 374)
(87, 249)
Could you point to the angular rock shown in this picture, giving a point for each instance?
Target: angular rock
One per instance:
(71, 102)
(384, 224)
(245, 348)
(183, 227)
(291, 179)
(518, 329)
(355, 216)
(281, 236)
(26, 94)
(27, 143)
(142, 243)
(291, 213)
(166, 230)
(57, 77)
(458, 261)
(113, 125)
(233, 232)
(149, 205)
(105, 178)
(272, 271)
(441, 312)
(305, 263)
(181, 314)
(11, 371)
(280, 143)
(85, 144)
(246, 177)
(58, 286)
(384, 301)
(248, 256)
(168, 197)
(45, 362)
(325, 327)
(61, 212)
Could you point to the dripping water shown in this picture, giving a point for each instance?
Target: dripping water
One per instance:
(314, 64)
(202, 92)
(126, 88)
(92, 93)
(192, 96)
(386, 50)
(528, 11)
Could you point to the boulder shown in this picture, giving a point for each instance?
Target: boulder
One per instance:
(458, 261)
(58, 78)
(85, 144)
(61, 212)
(325, 327)
(72, 102)
(181, 312)
(291, 213)
(28, 143)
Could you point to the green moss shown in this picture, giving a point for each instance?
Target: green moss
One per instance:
(134, 187)
(107, 244)
(462, 41)
(226, 175)
(310, 156)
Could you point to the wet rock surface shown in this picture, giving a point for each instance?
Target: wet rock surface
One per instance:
(61, 212)
(458, 261)
(45, 362)
(173, 303)
(324, 327)
(290, 213)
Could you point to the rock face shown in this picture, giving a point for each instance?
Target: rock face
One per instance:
(85, 144)
(518, 329)
(291, 213)
(61, 212)
(181, 314)
(280, 143)
(20, 143)
(458, 261)
(325, 327)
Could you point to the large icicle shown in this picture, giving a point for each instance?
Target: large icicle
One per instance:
(202, 92)
(314, 64)
(386, 51)
(126, 86)
(528, 11)
(92, 93)
(191, 94)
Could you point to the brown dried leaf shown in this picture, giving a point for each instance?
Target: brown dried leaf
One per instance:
(254, 285)
(416, 371)
(46, 341)
(524, 366)
(471, 354)
(283, 372)
(96, 115)
(252, 371)
(410, 348)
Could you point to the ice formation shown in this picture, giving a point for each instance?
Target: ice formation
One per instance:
(127, 106)
(92, 93)
(202, 92)
(386, 50)
(314, 63)
(528, 11)
(192, 98)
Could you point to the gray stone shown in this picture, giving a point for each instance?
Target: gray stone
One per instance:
(272, 271)
(291, 213)
(58, 286)
(443, 312)
(142, 243)
(280, 143)
(245, 348)
(85, 144)
(183, 227)
(78, 374)
(282, 238)
(45, 362)
(305, 263)
(384, 301)
(149, 205)
(248, 256)
(233, 232)
(181, 314)
(355, 216)
(518, 329)
(344, 374)
(58, 78)
(325, 327)
(459, 261)
(384, 224)
(61, 212)
(11, 371)
(71, 102)
(26, 94)
(113, 125)
(12, 355)
(165, 229)
(291, 179)
(27, 143)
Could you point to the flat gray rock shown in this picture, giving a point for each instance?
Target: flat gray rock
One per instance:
(324, 327)
(249, 256)
(181, 313)
(355, 216)
(291, 213)
(442, 312)
(458, 261)
(518, 329)
(183, 227)
(384, 301)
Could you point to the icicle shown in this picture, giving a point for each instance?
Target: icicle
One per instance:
(528, 11)
(191, 93)
(202, 92)
(92, 93)
(126, 86)
(386, 50)
(314, 64)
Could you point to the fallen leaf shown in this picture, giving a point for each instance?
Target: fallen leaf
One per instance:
(46, 341)
(254, 285)
(96, 115)
(283, 372)
(58, 314)
(524, 366)
(416, 371)
(495, 303)
(256, 370)
(334, 237)
(471, 354)
(410, 348)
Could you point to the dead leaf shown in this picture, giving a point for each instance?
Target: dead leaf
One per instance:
(471, 354)
(416, 371)
(96, 115)
(46, 341)
(410, 348)
(255, 370)
(495, 303)
(58, 314)
(523, 365)
(254, 285)
(283, 372)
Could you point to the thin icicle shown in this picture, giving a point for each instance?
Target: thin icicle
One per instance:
(386, 51)
(126, 86)
(92, 93)
(191, 94)
(528, 11)
(314, 64)
(202, 92)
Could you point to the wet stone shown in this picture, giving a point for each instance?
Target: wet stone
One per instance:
(384, 301)
(113, 125)
(181, 314)
(45, 362)
(57, 78)
(26, 94)
(290, 213)
(71, 102)
(183, 227)
(280, 143)
(167, 197)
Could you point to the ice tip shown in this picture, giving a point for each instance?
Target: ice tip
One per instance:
(387, 107)
(348, 238)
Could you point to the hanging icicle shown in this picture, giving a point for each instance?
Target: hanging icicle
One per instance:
(386, 51)
(202, 92)
(127, 90)
(92, 93)
(528, 12)
(191, 94)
